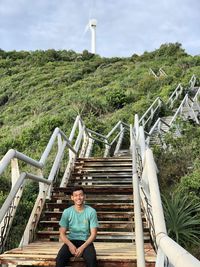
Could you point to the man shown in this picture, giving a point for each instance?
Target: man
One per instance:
(81, 221)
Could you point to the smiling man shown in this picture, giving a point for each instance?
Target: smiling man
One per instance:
(81, 221)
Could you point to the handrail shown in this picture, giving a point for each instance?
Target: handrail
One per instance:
(113, 129)
(157, 103)
(10, 202)
(38, 164)
(185, 99)
(152, 72)
(84, 134)
(190, 103)
(192, 81)
(162, 72)
(178, 256)
(74, 128)
(16, 191)
(196, 98)
(105, 138)
(137, 207)
(98, 134)
(175, 95)
(16, 187)
(11, 154)
(99, 140)
(160, 121)
(156, 124)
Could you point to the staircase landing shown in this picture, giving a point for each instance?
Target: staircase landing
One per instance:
(108, 254)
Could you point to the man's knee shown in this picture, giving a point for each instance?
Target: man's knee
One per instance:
(63, 256)
(90, 256)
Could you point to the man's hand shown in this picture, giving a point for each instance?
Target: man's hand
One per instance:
(72, 249)
(63, 237)
(79, 251)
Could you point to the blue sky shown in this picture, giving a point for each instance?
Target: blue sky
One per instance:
(124, 27)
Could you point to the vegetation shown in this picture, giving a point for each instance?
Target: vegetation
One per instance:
(180, 185)
(41, 90)
(183, 219)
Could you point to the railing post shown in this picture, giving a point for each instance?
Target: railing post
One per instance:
(107, 149)
(89, 148)
(136, 126)
(79, 138)
(84, 144)
(6, 222)
(142, 143)
(72, 155)
(29, 231)
(68, 169)
(60, 143)
(8, 210)
(119, 142)
(14, 171)
(155, 193)
(137, 209)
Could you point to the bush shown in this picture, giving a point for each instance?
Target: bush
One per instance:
(190, 184)
(182, 217)
(3, 100)
(116, 98)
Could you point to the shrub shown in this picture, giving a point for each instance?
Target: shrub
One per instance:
(116, 98)
(182, 217)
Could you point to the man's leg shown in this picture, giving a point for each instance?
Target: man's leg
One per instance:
(89, 255)
(63, 256)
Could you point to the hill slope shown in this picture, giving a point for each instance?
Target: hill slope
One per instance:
(44, 89)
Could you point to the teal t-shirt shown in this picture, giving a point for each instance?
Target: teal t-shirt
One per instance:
(79, 223)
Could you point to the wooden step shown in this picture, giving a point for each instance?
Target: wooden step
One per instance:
(114, 225)
(108, 179)
(103, 164)
(108, 255)
(102, 215)
(88, 170)
(99, 190)
(100, 175)
(77, 182)
(95, 198)
(109, 159)
(106, 236)
(96, 206)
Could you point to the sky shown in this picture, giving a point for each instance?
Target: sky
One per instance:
(124, 27)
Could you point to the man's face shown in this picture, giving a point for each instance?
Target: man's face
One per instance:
(78, 197)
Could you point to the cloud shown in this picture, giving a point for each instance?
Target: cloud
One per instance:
(124, 27)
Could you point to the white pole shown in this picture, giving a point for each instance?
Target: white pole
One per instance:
(93, 39)
(93, 24)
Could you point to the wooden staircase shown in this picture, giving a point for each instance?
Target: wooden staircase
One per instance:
(108, 186)
(156, 137)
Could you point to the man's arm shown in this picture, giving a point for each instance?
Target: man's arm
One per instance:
(91, 238)
(63, 237)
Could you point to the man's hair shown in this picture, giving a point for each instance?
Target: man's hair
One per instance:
(77, 188)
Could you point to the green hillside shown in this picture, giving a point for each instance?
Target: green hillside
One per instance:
(44, 89)
(41, 90)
